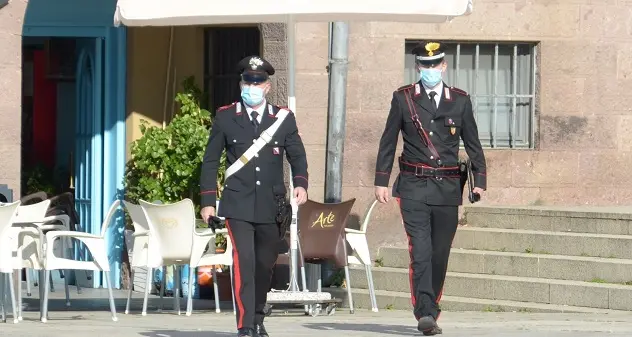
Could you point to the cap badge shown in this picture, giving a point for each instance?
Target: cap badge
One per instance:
(431, 47)
(255, 62)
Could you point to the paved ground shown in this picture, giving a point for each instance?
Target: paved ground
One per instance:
(89, 318)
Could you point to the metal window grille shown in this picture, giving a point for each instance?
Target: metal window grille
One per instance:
(501, 81)
(224, 47)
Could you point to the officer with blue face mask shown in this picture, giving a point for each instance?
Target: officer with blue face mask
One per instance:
(249, 196)
(432, 119)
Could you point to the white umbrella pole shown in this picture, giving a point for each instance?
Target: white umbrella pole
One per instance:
(291, 41)
(295, 295)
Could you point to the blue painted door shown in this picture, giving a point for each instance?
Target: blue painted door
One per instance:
(89, 144)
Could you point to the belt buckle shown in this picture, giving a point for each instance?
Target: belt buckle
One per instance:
(417, 169)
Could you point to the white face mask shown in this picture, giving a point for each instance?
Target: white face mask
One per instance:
(252, 95)
(430, 77)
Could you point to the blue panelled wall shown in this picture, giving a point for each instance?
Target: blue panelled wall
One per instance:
(100, 109)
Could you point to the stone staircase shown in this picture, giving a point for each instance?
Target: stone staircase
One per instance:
(526, 259)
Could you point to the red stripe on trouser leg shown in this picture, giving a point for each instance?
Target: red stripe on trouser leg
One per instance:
(237, 281)
(410, 265)
(410, 273)
(439, 299)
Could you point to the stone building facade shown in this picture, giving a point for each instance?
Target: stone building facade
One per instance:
(575, 140)
(581, 139)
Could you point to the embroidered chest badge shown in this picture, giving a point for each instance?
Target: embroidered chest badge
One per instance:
(452, 128)
(276, 150)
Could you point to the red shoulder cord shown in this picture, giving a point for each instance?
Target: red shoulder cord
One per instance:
(422, 133)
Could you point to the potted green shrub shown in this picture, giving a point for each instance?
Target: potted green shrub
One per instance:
(165, 162)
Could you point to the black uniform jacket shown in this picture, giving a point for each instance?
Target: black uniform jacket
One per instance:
(249, 193)
(453, 120)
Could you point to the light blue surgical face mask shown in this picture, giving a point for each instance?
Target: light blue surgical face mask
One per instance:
(430, 77)
(252, 95)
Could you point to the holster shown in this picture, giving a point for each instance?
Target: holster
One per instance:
(467, 177)
(284, 213)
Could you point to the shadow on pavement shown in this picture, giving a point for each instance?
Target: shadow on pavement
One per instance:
(399, 330)
(103, 304)
(176, 333)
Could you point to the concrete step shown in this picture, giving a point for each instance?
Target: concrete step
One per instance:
(601, 220)
(544, 242)
(509, 288)
(577, 268)
(401, 301)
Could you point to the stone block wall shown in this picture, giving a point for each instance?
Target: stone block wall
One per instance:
(584, 103)
(11, 21)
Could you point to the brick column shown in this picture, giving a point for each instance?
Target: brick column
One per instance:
(11, 22)
(275, 52)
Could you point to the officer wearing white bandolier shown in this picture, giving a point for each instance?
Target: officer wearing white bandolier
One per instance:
(255, 145)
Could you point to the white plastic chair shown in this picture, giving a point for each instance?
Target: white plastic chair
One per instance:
(360, 254)
(96, 245)
(210, 259)
(174, 241)
(35, 214)
(7, 214)
(29, 222)
(140, 253)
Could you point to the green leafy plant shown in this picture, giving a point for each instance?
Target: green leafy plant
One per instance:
(40, 178)
(165, 163)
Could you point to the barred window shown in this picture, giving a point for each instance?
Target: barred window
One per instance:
(501, 79)
(224, 47)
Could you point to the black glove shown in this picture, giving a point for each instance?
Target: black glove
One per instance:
(215, 223)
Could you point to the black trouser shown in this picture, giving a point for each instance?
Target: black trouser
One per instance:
(255, 250)
(430, 230)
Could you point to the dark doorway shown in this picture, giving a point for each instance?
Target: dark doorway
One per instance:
(48, 113)
(224, 48)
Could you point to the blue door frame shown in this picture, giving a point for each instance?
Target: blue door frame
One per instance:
(107, 133)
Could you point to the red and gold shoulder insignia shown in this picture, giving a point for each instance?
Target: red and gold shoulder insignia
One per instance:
(407, 86)
(225, 107)
(459, 91)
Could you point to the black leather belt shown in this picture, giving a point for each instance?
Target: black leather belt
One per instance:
(427, 171)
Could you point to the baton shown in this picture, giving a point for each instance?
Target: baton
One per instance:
(474, 197)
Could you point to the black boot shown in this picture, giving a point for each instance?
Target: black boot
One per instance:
(434, 331)
(246, 332)
(427, 325)
(261, 330)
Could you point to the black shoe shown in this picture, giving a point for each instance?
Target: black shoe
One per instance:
(246, 332)
(427, 324)
(261, 330)
(434, 331)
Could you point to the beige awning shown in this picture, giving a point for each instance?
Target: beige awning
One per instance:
(205, 12)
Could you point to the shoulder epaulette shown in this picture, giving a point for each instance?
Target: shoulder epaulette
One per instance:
(459, 91)
(407, 86)
(222, 108)
(285, 108)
